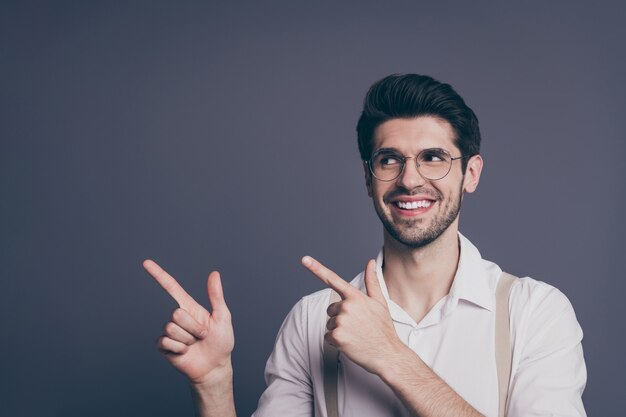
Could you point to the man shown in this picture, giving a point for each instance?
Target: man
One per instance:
(415, 330)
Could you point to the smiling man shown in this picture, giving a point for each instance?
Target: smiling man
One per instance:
(429, 328)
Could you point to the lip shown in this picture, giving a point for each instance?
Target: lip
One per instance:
(412, 198)
(411, 212)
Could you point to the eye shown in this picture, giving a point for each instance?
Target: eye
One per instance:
(387, 160)
(434, 155)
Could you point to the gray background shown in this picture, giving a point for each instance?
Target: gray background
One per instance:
(212, 136)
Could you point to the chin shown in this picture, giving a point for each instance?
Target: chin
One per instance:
(415, 234)
(412, 241)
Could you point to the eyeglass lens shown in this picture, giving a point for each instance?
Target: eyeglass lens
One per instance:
(432, 164)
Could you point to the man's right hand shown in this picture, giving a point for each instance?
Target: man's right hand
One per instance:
(197, 343)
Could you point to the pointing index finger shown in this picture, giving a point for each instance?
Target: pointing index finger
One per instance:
(169, 284)
(334, 281)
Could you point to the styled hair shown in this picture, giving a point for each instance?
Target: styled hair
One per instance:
(411, 95)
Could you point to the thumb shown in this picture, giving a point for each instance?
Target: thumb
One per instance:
(216, 295)
(371, 283)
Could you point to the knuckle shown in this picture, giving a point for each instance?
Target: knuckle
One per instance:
(169, 328)
(177, 314)
(337, 334)
(200, 331)
(159, 343)
(168, 286)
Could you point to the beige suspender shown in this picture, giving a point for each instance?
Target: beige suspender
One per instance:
(504, 352)
(502, 347)
(331, 370)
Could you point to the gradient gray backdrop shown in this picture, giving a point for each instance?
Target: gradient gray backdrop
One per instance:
(211, 136)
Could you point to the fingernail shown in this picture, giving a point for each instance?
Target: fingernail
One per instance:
(307, 261)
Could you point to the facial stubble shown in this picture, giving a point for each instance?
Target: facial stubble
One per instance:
(409, 233)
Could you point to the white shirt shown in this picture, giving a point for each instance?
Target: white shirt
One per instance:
(455, 339)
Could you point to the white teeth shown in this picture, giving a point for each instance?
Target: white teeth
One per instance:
(407, 205)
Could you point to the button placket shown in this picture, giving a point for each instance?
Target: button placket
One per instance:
(414, 335)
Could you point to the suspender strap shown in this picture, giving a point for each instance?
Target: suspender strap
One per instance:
(331, 370)
(504, 351)
(503, 339)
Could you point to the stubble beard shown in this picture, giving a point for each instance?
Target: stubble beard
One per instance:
(410, 233)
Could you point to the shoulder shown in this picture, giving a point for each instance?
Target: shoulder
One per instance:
(307, 315)
(529, 295)
(542, 319)
(313, 305)
(548, 368)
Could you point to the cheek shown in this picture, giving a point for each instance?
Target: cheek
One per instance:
(378, 191)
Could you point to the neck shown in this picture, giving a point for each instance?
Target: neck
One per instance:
(417, 278)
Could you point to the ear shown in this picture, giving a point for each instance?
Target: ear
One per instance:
(368, 179)
(472, 173)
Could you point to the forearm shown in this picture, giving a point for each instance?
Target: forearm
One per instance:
(422, 391)
(214, 397)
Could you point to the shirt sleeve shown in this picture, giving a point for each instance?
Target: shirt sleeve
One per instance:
(287, 373)
(550, 375)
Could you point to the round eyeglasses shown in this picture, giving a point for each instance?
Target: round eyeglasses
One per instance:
(432, 164)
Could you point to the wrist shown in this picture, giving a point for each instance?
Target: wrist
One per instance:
(213, 394)
(219, 376)
(403, 361)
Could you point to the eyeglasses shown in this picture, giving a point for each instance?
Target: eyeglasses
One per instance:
(432, 164)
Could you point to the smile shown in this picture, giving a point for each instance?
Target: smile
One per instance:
(412, 205)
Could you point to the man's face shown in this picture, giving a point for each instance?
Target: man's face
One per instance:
(438, 202)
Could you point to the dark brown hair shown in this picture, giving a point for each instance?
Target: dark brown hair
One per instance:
(412, 95)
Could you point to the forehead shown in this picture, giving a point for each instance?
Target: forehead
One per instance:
(412, 135)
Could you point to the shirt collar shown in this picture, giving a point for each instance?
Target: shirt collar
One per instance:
(475, 278)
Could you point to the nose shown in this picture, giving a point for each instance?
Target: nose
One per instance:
(410, 177)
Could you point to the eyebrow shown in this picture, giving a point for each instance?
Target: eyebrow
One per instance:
(391, 150)
(396, 151)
